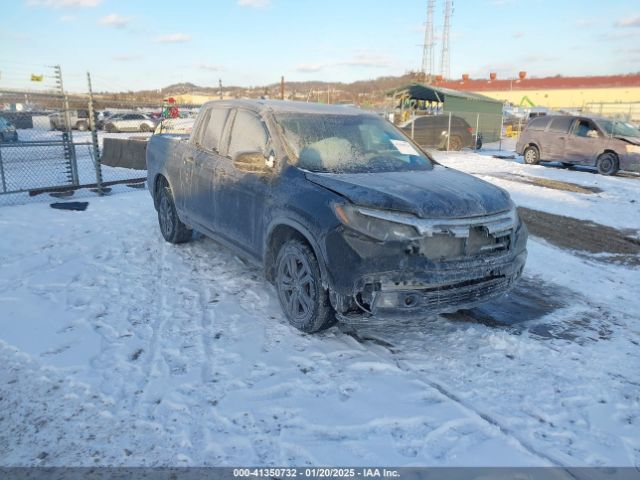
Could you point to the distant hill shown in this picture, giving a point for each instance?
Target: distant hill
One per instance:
(184, 87)
(361, 91)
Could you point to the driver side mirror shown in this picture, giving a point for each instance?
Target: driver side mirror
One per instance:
(253, 162)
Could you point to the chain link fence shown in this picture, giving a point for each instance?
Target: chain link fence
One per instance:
(627, 112)
(450, 131)
(52, 142)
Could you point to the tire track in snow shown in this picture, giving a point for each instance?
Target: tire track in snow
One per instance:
(158, 292)
(465, 406)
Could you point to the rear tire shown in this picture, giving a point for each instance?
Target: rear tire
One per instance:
(531, 155)
(145, 128)
(172, 229)
(110, 128)
(304, 300)
(82, 126)
(455, 143)
(607, 164)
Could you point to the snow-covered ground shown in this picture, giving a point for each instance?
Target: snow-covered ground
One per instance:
(117, 348)
(618, 205)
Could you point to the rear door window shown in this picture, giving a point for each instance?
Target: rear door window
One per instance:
(539, 123)
(213, 129)
(561, 124)
(425, 122)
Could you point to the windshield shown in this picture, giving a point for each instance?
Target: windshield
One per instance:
(349, 143)
(618, 128)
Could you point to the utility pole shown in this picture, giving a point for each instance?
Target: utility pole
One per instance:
(427, 50)
(282, 88)
(445, 68)
(94, 140)
(220, 87)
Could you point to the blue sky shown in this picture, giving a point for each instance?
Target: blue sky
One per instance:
(150, 44)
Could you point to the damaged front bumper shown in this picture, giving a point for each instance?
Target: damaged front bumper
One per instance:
(430, 294)
(393, 281)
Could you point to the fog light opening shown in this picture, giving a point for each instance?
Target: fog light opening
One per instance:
(411, 300)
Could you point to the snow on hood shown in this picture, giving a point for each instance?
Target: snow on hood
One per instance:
(438, 193)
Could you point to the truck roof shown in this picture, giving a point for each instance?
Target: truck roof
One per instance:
(288, 106)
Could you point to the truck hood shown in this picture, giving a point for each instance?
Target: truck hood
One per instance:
(438, 193)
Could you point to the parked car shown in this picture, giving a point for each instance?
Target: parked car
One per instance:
(430, 131)
(175, 125)
(106, 118)
(130, 122)
(608, 145)
(348, 217)
(79, 120)
(8, 132)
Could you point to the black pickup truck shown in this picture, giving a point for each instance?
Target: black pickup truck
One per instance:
(350, 219)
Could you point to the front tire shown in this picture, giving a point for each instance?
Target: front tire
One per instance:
(145, 128)
(172, 229)
(304, 300)
(607, 164)
(531, 155)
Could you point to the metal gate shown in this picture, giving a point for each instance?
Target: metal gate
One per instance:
(49, 140)
(36, 147)
(32, 164)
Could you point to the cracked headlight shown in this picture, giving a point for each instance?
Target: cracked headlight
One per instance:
(367, 222)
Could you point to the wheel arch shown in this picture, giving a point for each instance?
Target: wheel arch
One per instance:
(280, 232)
(535, 145)
(609, 150)
(532, 144)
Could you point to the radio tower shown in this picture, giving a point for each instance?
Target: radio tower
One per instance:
(427, 52)
(445, 68)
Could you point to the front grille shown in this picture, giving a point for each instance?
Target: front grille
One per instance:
(478, 242)
(464, 293)
(463, 238)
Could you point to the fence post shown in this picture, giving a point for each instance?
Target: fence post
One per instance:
(519, 127)
(97, 164)
(68, 130)
(449, 132)
(475, 145)
(413, 125)
(501, 125)
(4, 183)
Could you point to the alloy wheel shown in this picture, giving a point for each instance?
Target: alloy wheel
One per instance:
(165, 210)
(296, 286)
